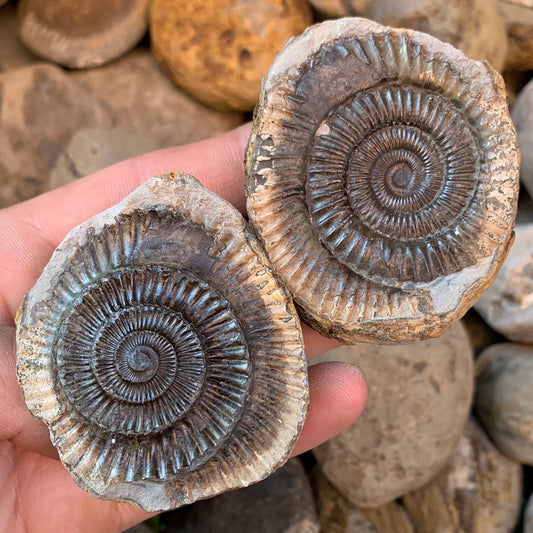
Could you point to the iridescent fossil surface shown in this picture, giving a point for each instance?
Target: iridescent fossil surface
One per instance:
(161, 352)
(382, 179)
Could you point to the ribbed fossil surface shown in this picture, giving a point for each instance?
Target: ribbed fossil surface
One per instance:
(162, 353)
(382, 179)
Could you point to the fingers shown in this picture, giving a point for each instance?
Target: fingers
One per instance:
(30, 231)
(337, 393)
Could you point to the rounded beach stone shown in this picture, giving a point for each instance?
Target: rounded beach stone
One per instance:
(523, 121)
(92, 149)
(41, 109)
(507, 305)
(479, 491)
(219, 50)
(336, 514)
(504, 398)
(342, 8)
(418, 402)
(82, 33)
(140, 97)
(475, 27)
(518, 17)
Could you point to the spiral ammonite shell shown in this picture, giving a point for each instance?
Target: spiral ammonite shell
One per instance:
(382, 179)
(161, 351)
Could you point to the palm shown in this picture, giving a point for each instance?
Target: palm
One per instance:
(37, 493)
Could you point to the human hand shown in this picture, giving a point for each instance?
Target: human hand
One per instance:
(38, 494)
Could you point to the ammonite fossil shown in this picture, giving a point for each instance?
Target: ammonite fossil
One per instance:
(382, 179)
(161, 351)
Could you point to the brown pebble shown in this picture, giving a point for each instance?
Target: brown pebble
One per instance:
(479, 492)
(418, 402)
(219, 50)
(140, 97)
(507, 305)
(41, 109)
(82, 33)
(475, 27)
(518, 17)
(504, 398)
(338, 515)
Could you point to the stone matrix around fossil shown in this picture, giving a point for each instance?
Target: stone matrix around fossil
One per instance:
(161, 351)
(382, 179)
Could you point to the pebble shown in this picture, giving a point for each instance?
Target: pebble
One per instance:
(507, 305)
(504, 398)
(338, 515)
(41, 108)
(81, 33)
(140, 97)
(475, 27)
(342, 8)
(518, 16)
(523, 120)
(92, 149)
(282, 503)
(419, 397)
(479, 492)
(219, 50)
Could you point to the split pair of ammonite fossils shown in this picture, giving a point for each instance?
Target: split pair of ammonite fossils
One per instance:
(161, 344)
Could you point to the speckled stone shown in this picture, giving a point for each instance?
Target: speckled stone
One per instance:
(479, 492)
(82, 33)
(504, 398)
(475, 27)
(523, 121)
(140, 97)
(92, 149)
(518, 16)
(282, 503)
(338, 515)
(507, 305)
(419, 397)
(219, 50)
(41, 108)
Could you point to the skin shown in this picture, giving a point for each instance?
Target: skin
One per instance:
(38, 494)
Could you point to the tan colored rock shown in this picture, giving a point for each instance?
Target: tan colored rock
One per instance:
(342, 8)
(475, 27)
(92, 149)
(518, 17)
(82, 33)
(219, 50)
(479, 492)
(507, 305)
(418, 401)
(338, 515)
(504, 398)
(41, 108)
(523, 121)
(13, 54)
(140, 97)
(480, 334)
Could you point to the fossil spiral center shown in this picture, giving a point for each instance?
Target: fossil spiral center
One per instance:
(390, 178)
(135, 348)
(141, 358)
